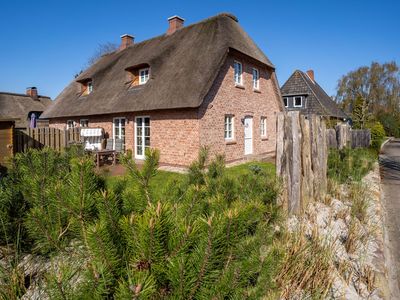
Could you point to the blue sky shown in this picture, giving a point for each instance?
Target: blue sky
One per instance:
(44, 43)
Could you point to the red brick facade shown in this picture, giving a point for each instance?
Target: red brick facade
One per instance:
(179, 134)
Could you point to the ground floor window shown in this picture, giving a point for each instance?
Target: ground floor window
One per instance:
(229, 127)
(84, 123)
(263, 126)
(70, 124)
(119, 132)
(142, 134)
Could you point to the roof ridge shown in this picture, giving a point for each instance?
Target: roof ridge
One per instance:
(233, 17)
(23, 95)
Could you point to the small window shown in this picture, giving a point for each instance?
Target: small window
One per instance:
(89, 87)
(229, 127)
(84, 123)
(143, 75)
(263, 126)
(70, 124)
(256, 79)
(238, 73)
(286, 101)
(298, 101)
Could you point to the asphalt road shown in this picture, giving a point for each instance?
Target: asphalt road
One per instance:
(389, 161)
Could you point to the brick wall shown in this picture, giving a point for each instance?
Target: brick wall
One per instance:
(225, 98)
(174, 132)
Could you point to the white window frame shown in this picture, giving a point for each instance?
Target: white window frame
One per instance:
(68, 124)
(89, 87)
(287, 101)
(256, 81)
(83, 120)
(263, 126)
(143, 156)
(294, 101)
(231, 136)
(145, 78)
(113, 130)
(238, 73)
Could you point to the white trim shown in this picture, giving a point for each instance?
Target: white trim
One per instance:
(287, 101)
(250, 137)
(263, 126)
(256, 83)
(294, 101)
(240, 77)
(80, 122)
(73, 124)
(113, 130)
(232, 118)
(140, 76)
(143, 135)
(89, 87)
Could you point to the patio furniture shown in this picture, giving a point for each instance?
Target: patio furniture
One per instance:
(105, 153)
(92, 138)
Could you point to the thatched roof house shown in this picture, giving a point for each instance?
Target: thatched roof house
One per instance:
(302, 92)
(22, 106)
(173, 77)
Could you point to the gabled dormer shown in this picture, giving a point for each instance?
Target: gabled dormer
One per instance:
(86, 86)
(138, 75)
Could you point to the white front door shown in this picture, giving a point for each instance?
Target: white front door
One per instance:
(248, 135)
(142, 133)
(119, 131)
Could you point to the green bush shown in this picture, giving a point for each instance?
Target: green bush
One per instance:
(377, 135)
(207, 234)
(350, 164)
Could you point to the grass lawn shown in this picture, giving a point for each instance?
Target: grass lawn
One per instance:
(164, 178)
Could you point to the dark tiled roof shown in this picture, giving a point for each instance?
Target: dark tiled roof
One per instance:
(20, 105)
(317, 100)
(183, 67)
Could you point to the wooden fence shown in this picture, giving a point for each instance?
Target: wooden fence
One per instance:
(40, 137)
(301, 159)
(343, 136)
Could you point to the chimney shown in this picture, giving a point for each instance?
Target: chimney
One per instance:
(175, 23)
(126, 41)
(32, 92)
(310, 74)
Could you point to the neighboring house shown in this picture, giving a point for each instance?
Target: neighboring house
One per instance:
(207, 84)
(23, 107)
(301, 92)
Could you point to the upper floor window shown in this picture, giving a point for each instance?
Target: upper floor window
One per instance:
(238, 72)
(256, 79)
(229, 127)
(84, 123)
(298, 101)
(263, 126)
(286, 101)
(89, 87)
(70, 124)
(144, 75)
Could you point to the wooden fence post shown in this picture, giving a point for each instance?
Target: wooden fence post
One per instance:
(295, 162)
(307, 192)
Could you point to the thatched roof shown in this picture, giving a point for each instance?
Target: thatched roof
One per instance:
(318, 101)
(183, 66)
(18, 106)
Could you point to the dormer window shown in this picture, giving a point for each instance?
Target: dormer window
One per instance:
(86, 86)
(144, 75)
(137, 75)
(298, 101)
(89, 87)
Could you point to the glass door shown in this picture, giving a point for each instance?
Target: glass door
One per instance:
(119, 133)
(142, 133)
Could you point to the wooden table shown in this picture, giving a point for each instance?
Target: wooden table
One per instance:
(100, 153)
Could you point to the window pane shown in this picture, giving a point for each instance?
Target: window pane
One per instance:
(147, 141)
(140, 131)
(147, 121)
(139, 150)
(139, 121)
(147, 131)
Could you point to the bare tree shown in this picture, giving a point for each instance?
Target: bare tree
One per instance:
(102, 49)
